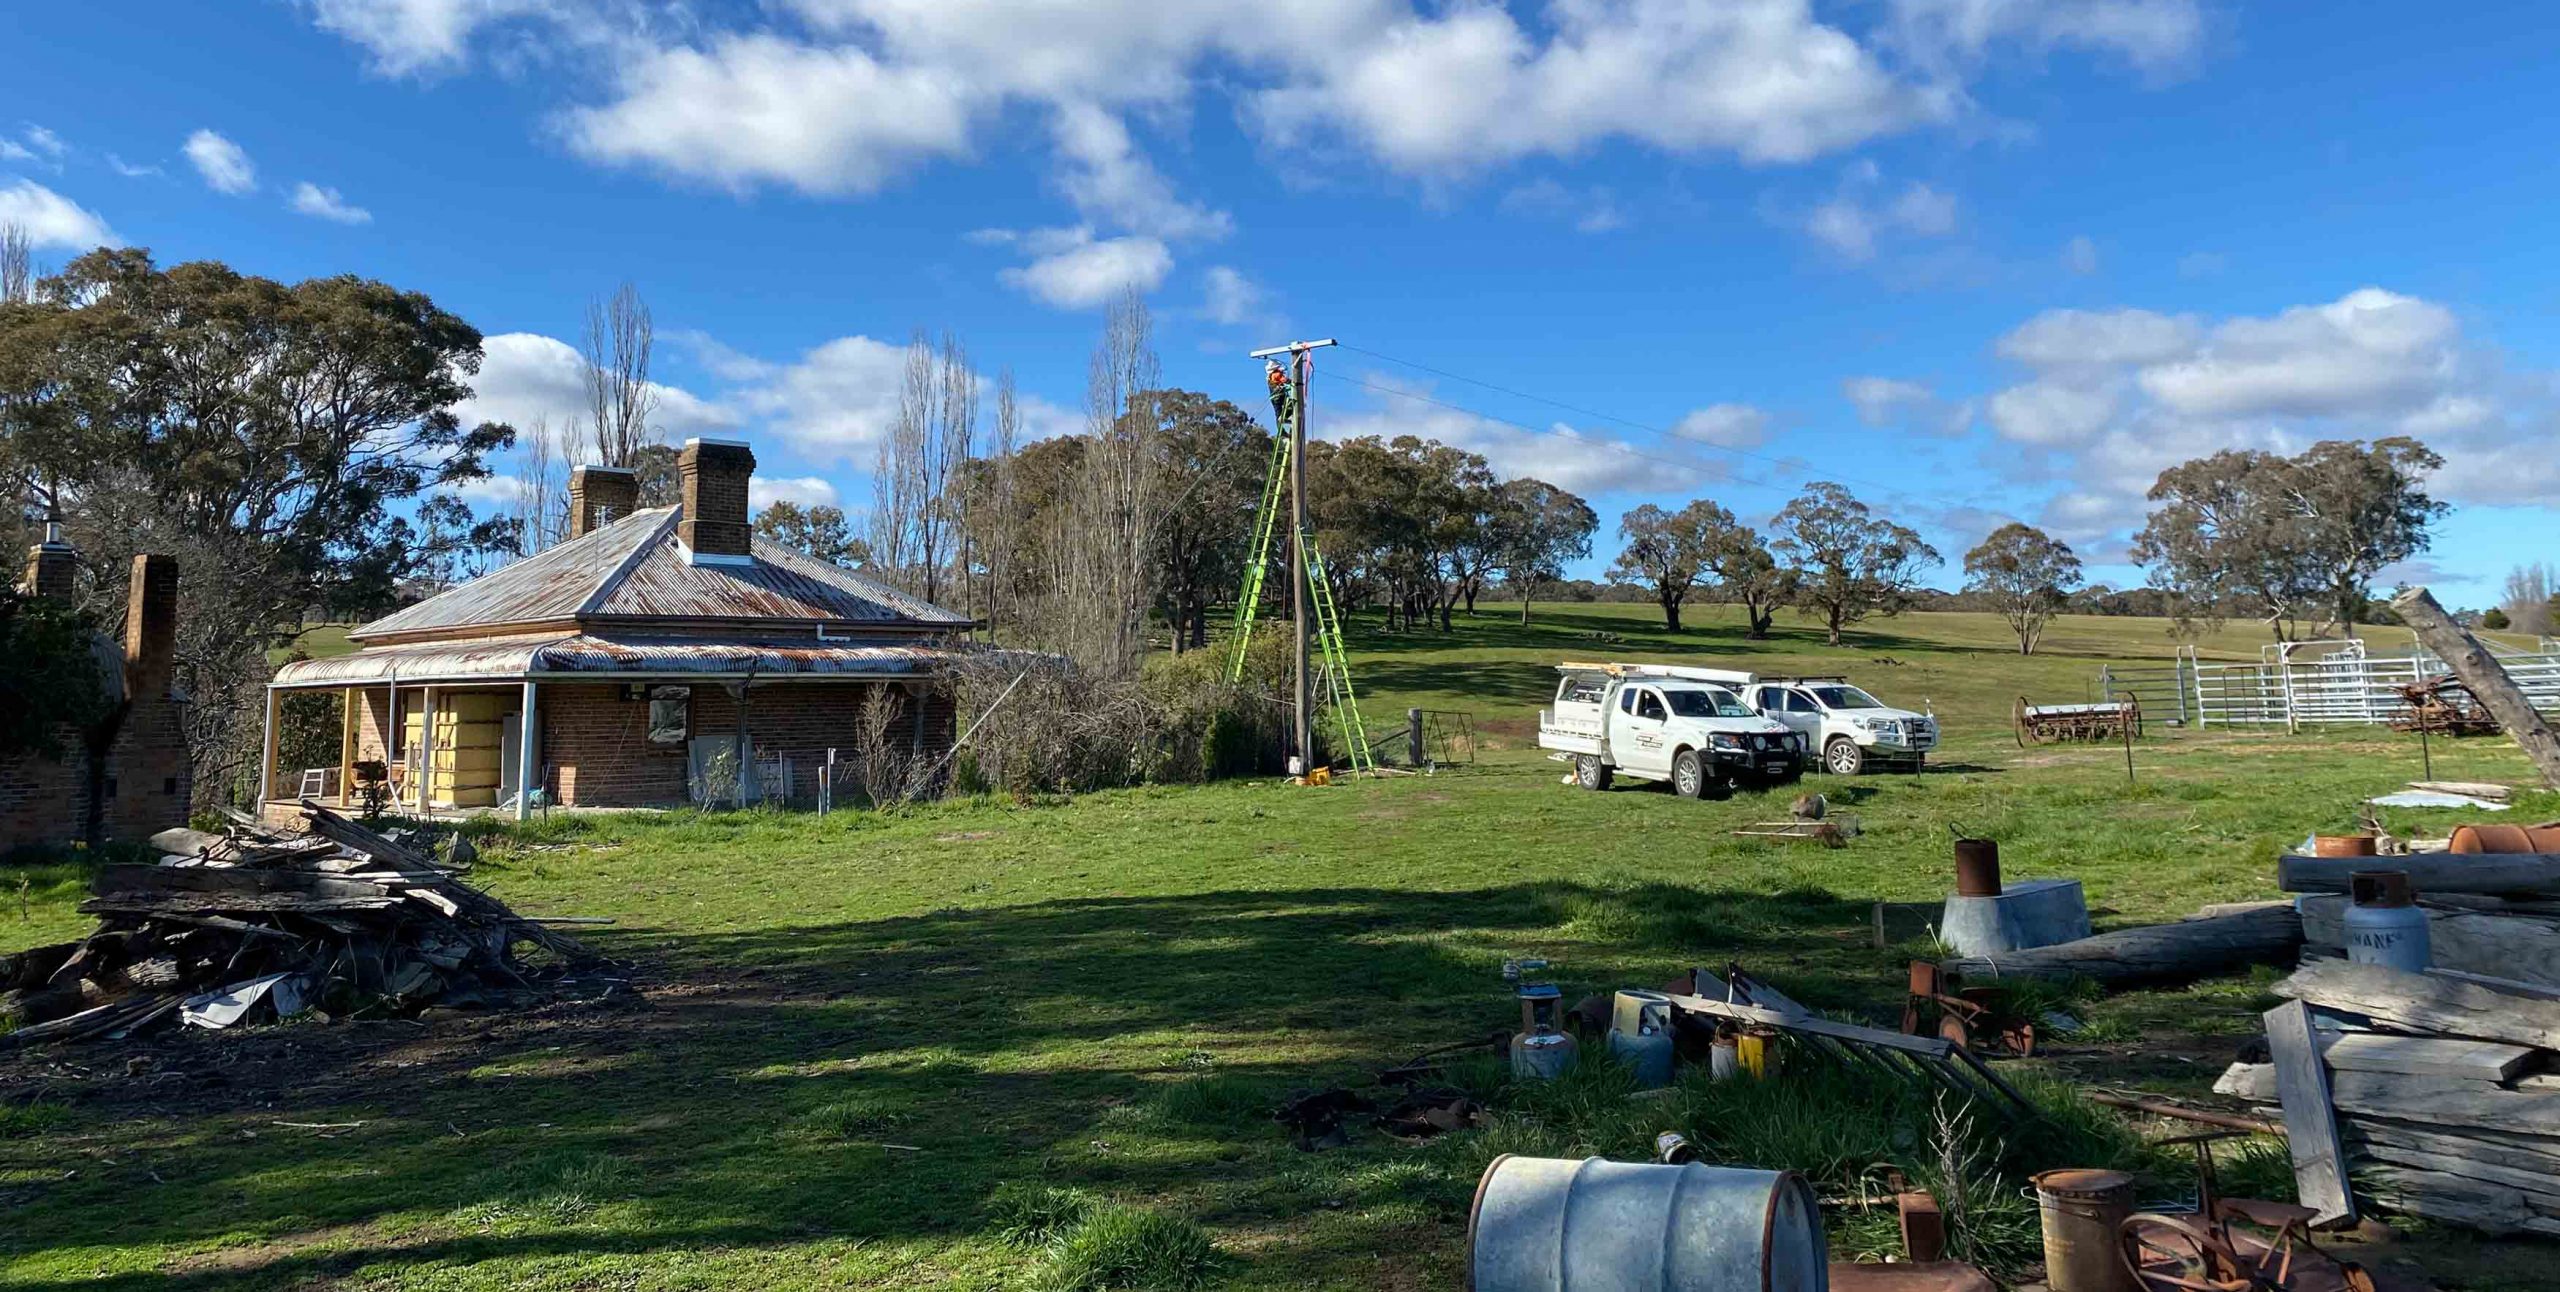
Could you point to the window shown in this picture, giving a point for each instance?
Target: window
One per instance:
(1650, 707)
(1707, 702)
(670, 715)
(1627, 700)
(1846, 697)
(1581, 690)
(1797, 703)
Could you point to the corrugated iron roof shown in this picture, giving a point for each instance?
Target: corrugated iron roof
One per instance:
(635, 569)
(555, 655)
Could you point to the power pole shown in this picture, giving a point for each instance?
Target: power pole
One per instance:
(1301, 366)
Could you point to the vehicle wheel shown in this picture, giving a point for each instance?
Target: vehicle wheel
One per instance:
(1590, 773)
(1688, 774)
(1842, 757)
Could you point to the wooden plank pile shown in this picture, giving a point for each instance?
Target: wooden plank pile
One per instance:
(2495, 915)
(341, 920)
(2442, 1092)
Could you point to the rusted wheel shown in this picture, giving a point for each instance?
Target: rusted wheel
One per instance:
(2018, 721)
(2170, 1254)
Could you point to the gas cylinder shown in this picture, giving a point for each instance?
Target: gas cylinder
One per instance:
(1640, 1036)
(1543, 1055)
(2384, 924)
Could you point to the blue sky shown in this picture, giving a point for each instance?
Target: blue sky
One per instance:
(1976, 259)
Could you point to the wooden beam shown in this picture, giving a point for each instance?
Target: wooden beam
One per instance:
(2467, 1105)
(2310, 1124)
(2486, 679)
(2515, 946)
(2426, 1003)
(2187, 949)
(2427, 1056)
(2522, 873)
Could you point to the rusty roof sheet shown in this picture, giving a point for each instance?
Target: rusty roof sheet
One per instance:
(556, 655)
(635, 569)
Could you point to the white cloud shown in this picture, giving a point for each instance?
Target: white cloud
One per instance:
(2159, 37)
(1593, 210)
(1881, 401)
(52, 220)
(525, 377)
(1109, 180)
(759, 108)
(495, 494)
(2110, 399)
(225, 165)
(12, 150)
(2084, 338)
(1856, 218)
(836, 402)
(325, 204)
(2080, 255)
(1730, 426)
(1229, 297)
(1562, 455)
(418, 36)
(1075, 270)
(45, 141)
(131, 170)
(806, 491)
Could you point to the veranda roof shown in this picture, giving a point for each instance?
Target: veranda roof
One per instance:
(559, 656)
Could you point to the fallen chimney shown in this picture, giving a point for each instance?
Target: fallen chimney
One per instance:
(151, 625)
(599, 496)
(715, 530)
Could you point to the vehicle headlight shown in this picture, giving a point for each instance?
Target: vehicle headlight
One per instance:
(1723, 740)
(1860, 723)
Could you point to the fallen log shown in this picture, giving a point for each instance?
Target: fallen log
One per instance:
(2523, 948)
(2486, 679)
(2510, 874)
(2426, 1003)
(2154, 953)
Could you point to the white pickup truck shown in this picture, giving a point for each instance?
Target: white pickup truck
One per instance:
(1661, 722)
(1850, 727)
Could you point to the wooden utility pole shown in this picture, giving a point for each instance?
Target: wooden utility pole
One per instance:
(2482, 675)
(1302, 717)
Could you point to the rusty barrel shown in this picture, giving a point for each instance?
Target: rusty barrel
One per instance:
(1977, 868)
(1545, 1224)
(2082, 1210)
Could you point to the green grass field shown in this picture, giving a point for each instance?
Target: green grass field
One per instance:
(897, 1051)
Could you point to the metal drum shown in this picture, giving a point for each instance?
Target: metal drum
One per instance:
(1543, 1224)
(2082, 1209)
(2384, 924)
(1640, 1036)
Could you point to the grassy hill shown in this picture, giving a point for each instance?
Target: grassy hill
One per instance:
(856, 1040)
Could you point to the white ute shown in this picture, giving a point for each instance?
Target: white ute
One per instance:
(1850, 727)
(1660, 722)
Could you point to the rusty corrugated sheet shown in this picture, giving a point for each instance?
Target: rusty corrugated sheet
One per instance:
(556, 655)
(781, 584)
(634, 569)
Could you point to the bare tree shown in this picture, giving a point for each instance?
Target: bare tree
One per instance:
(618, 340)
(1000, 517)
(922, 469)
(2528, 602)
(17, 264)
(1106, 596)
(541, 502)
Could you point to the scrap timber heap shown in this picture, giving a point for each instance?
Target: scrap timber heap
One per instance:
(340, 921)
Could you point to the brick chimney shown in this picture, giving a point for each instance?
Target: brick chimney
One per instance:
(599, 496)
(714, 529)
(151, 625)
(53, 566)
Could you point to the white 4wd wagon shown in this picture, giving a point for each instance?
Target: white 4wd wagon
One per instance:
(1846, 727)
(1661, 722)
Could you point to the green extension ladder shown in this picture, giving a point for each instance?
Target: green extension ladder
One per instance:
(1335, 664)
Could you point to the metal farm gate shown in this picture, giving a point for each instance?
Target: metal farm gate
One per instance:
(2313, 683)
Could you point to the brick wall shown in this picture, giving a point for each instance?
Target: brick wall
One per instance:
(597, 742)
(148, 778)
(715, 476)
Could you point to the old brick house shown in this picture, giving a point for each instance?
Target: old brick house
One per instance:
(129, 775)
(622, 667)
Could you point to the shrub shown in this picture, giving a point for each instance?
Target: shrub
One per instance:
(1029, 1214)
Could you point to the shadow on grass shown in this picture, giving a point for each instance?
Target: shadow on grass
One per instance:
(865, 1082)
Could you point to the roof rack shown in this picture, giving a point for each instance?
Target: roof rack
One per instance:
(1808, 677)
(1675, 672)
